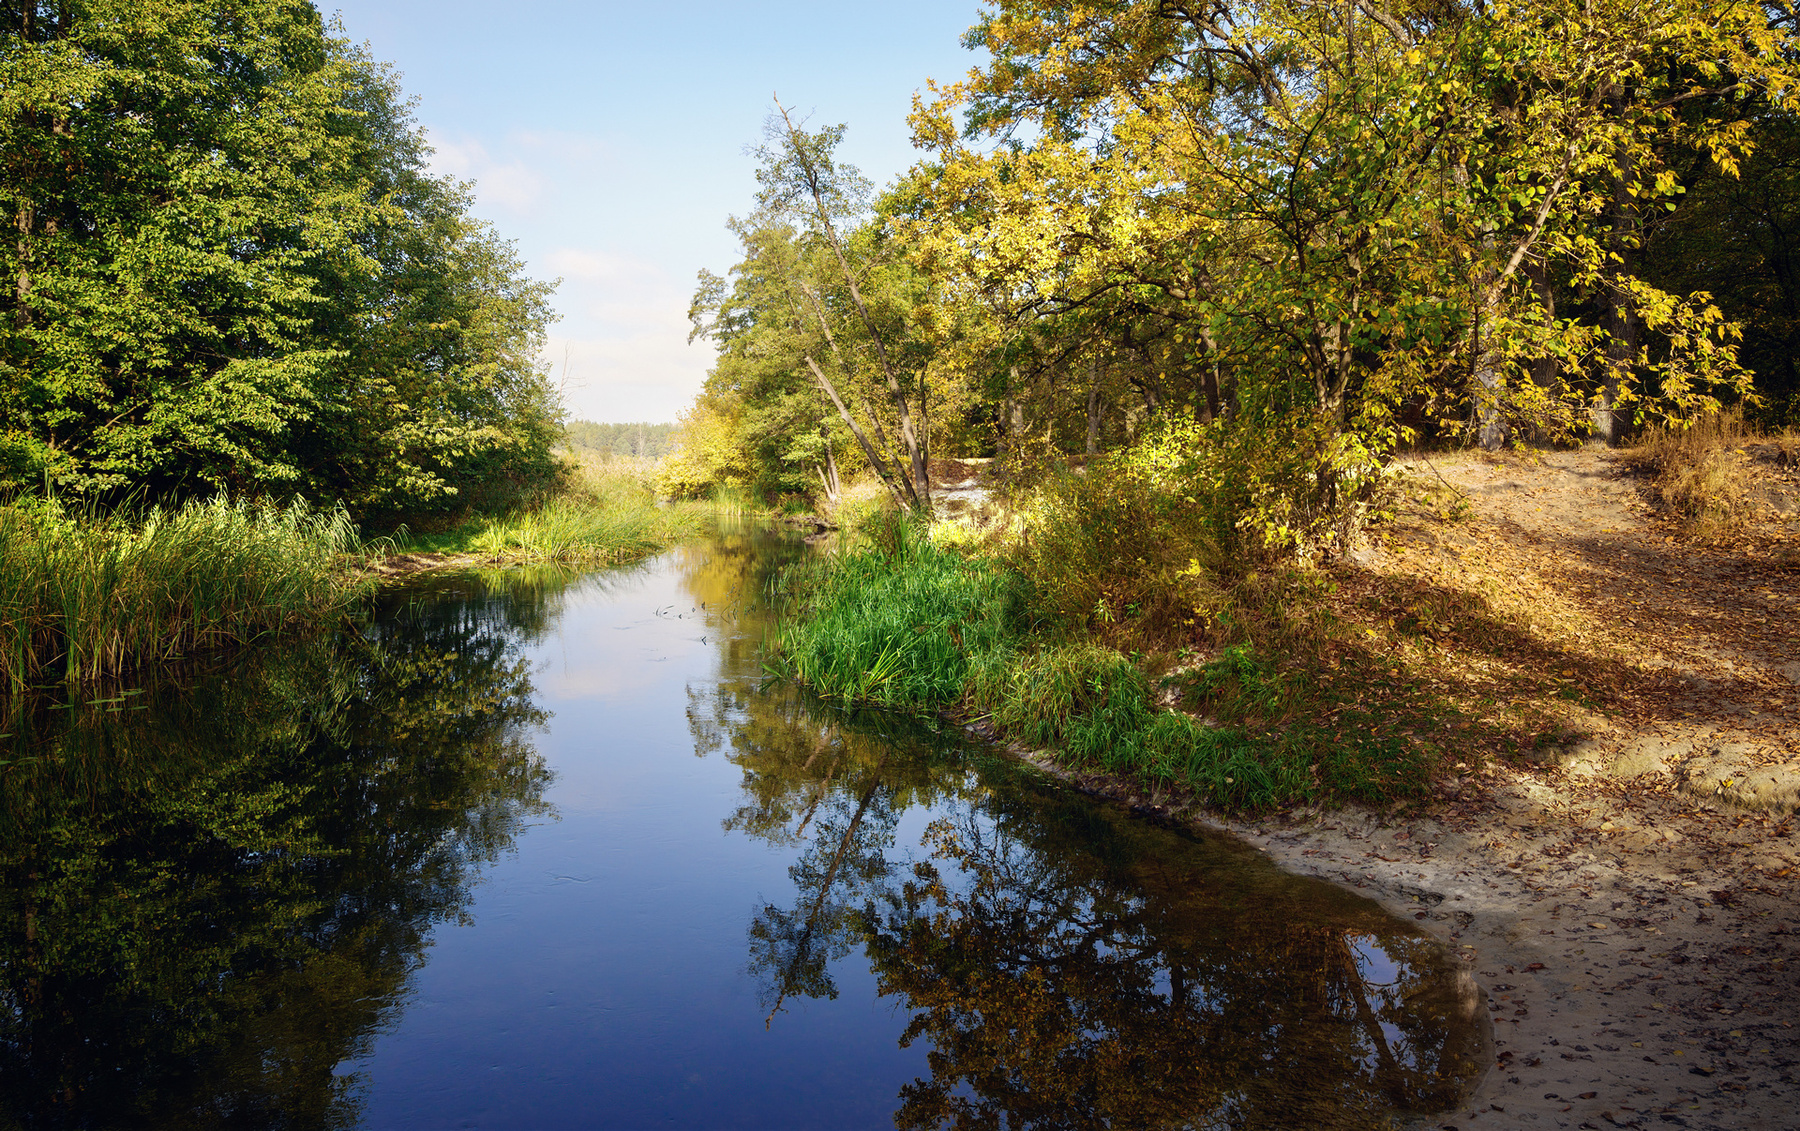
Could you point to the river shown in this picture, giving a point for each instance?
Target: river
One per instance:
(529, 849)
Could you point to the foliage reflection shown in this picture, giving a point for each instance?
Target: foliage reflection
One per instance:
(212, 895)
(1069, 966)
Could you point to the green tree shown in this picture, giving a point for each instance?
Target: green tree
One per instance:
(831, 342)
(801, 176)
(229, 268)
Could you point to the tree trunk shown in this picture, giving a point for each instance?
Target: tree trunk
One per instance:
(1093, 407)
(1209, 377)
(876, 459)
(1620, 321)
(1015, 415)
(919, 487)
(1618, 313)
(22, 285)
(1545, 370)
(1490, 422)
(834, 486)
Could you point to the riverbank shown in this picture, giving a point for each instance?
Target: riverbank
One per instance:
(1632, 947)
(1623, 888)
(90, 595)
(604, 512)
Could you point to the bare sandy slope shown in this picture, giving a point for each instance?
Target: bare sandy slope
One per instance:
(1629, 904)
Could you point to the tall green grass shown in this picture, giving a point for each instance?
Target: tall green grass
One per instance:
(900, 622)
(575, 530)
(87, 596)
(605, 512)
(893, 623)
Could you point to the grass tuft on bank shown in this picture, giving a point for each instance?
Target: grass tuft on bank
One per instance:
(89, 595)
(900, 622)
(893, 623)
(1703, 469)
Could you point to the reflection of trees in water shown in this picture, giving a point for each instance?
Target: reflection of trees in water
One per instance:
(1068, 966)
(208, 904)
(1071, 970)
(833, 791)
(730, 580)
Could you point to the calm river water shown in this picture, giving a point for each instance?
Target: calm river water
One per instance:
(529, 850)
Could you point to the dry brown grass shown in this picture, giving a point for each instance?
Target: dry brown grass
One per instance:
(1787, 445)
(1702, 472)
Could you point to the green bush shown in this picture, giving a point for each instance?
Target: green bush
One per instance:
(1160, 532)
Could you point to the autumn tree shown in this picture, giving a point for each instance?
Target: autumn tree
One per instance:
(1347, 213)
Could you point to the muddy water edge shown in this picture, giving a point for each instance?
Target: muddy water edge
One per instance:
(532, 849)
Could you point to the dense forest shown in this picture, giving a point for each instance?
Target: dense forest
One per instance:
(230, 269)
(1263, 245)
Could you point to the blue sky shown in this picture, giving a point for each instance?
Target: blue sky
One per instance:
(607, 141)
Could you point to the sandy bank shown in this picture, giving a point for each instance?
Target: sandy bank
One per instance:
(1634, 951)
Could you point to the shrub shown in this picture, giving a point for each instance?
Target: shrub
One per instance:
(1162, 530)
(1701, 471)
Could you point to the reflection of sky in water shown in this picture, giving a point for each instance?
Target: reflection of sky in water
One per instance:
(601, 976)
(1373, 963)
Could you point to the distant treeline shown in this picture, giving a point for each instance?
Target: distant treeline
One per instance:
(648, 440)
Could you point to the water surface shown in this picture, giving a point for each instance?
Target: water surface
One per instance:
(532, 850)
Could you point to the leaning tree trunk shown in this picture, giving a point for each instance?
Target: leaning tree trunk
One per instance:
(919, 487)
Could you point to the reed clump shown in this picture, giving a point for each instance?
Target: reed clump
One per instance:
(893, 621)
(89, 595)
(572, 531)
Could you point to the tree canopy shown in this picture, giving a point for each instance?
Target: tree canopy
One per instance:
(231, 268)
(1318, 232)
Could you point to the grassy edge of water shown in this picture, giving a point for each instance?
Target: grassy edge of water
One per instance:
(904, 624)
(90, 595)
(605, 512)
(560, 531)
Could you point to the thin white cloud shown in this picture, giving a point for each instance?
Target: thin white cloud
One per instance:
(593, 266)
(622, 352)
(509, 185)
(650, 374)
(570, 148)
